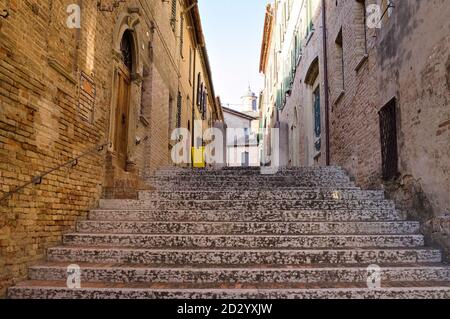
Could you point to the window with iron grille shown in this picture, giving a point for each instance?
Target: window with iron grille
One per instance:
(388, 138)
(173, 17)
(179, 108)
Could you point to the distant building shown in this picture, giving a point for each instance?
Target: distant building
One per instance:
(250, 103)
(242, 140)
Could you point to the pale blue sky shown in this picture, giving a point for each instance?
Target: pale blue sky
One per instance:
(233, 31)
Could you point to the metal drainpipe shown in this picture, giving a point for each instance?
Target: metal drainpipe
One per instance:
(327, 97)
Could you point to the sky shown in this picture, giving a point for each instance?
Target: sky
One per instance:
(233, 32)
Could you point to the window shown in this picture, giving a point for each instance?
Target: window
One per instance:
(387, 7)
(339, 65)
(190, 66)
(199, 90)
(173, 17)
(179, 109)
(204, 104)
(201, 96)
(362, 25)
(317, 120)
(126, 48)
(182, 36)
(388, 139)
(309, 17)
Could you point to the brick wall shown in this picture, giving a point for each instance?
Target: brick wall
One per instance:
(46, 118)
(40, 128)
(407, 59)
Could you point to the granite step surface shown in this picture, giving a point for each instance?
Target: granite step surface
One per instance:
(243, 241)
(58, 290)
(243, 228)
(309, 215)
(294, 194)
(128, 273)
(258, 205)
(243, 257)
(247, 184)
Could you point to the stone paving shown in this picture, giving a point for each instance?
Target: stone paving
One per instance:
(305, 233)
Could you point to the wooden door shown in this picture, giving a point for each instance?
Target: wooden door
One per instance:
(122, 116)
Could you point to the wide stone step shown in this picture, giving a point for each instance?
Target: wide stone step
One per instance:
(241, 257)
(59, 290)
(260, 205)
(220, 228)
(257, 274)
(244, 241)
(294, 194)
(243, 171)
(285, 178)
(246, 216)
(245, 184)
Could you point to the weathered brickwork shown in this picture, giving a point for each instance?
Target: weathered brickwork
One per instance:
(406, 58)
(49, 115)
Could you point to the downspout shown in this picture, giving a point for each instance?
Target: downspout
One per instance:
(327, 96)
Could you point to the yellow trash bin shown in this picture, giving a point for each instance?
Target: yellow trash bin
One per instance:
(198, 157)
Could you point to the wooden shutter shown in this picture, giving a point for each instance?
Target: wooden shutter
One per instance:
(173, 18)
(182, 36)
(179, 109)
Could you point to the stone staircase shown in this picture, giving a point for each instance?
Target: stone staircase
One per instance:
(234, 233)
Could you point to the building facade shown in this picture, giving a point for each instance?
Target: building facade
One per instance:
(107, 81)
(241, 138)
(369, 91)
(290, 51)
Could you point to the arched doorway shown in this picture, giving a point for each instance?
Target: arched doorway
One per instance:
(122, 116)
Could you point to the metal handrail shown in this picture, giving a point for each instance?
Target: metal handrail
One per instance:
(37, 180)
(389, 6)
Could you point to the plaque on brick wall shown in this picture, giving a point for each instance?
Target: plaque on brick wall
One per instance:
(86, 99)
